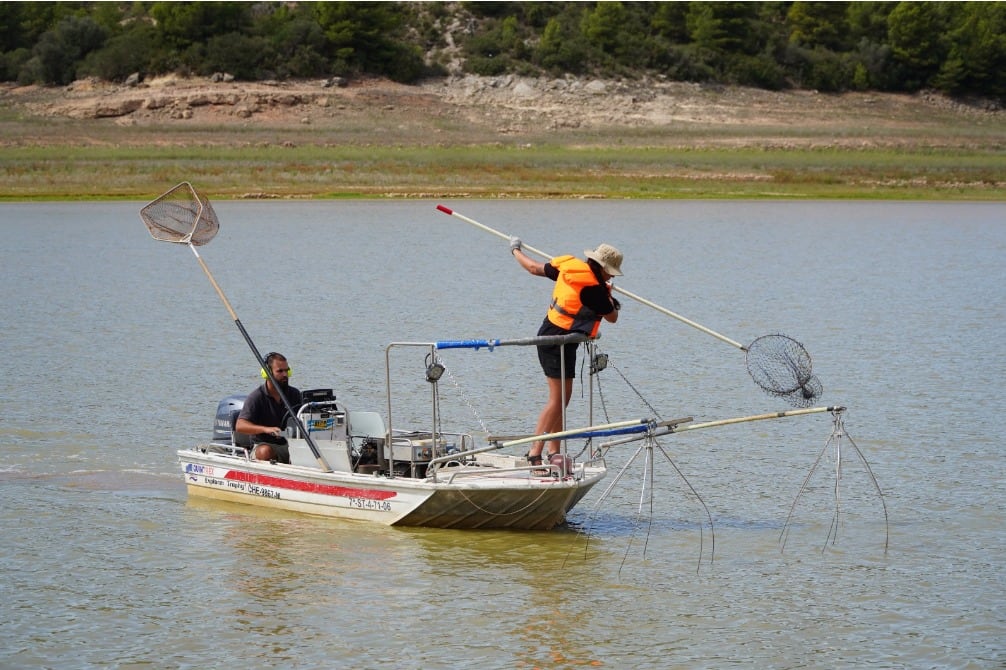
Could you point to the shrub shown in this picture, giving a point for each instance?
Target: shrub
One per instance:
(12, 62)
(58, 52)
(133, 50)
(240, 55)
(487, 66)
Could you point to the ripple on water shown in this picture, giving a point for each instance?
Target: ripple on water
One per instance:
(123, 351)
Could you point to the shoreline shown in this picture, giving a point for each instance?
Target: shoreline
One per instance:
(504, 137)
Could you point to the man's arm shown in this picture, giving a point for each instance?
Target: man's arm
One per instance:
(247, 423)
(536, 268)
(246, 427)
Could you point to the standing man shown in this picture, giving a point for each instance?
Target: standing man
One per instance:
(581, 298)
(263, 415)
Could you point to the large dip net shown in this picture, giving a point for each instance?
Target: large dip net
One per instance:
(782, 368)
(182, 216)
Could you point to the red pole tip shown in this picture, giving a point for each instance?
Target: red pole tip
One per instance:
(445, 210)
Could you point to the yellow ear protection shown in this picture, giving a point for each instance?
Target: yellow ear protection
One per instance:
(268, 361)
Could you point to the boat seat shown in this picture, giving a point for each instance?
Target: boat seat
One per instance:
(239, 440)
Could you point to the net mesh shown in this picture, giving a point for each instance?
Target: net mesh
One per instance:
(782, 368)
(181, 215)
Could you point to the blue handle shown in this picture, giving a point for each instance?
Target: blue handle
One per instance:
(466, 344)
(614, 431)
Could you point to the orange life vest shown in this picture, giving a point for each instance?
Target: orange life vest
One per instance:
(566, 310)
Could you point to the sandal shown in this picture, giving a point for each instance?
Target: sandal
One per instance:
(536, 461)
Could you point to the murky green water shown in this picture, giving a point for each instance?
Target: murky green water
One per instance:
(117, 350)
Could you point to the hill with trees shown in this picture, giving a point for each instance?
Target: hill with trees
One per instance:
(956, 48)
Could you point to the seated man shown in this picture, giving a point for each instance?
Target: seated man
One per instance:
(264, 415)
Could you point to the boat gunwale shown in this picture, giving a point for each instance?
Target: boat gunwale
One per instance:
(471, 480)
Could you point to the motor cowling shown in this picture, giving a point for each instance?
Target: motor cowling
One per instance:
(222, 421)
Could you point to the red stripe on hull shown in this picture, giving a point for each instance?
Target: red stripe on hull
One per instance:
(309, 487)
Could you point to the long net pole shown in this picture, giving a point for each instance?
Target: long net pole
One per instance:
(182, 215)
(778, 364)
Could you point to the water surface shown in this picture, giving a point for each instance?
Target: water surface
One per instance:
(118, 350)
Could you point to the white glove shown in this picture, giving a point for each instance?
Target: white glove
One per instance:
(515, 244)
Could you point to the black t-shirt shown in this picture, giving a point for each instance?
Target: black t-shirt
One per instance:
(261, 409)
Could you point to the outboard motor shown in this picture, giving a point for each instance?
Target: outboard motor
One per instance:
(222, 422)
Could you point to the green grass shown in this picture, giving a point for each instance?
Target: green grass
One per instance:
(106, 171)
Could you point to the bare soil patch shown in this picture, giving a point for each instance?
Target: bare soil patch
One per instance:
(506, 136)
(476, 110)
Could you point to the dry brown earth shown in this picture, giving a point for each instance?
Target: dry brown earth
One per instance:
(583, 138)
(478, 109)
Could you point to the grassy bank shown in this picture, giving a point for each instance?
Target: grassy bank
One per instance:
(312, 171)
(382, 141)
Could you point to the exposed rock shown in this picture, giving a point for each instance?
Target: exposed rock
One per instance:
(105, 108)
(157, 102)
(524, 90)
(509, 104)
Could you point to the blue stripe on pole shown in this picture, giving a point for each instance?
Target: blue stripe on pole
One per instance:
(613, 431)
(466, 344)
(539, 340)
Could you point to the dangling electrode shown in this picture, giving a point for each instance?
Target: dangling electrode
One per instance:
(598, 362)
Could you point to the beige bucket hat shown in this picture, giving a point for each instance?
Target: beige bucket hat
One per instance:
(608, 257)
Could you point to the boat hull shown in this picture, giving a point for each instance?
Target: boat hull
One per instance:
(463, 498)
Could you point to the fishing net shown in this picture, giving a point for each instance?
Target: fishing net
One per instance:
(782, 368)
(181, 215)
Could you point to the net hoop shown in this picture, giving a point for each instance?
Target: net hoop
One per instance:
(182, 216)
(782, 368)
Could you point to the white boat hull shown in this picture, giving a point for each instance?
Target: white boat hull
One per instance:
(498, 492)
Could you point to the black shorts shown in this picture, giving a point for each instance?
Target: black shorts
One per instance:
(550, 356)
(280, 447)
